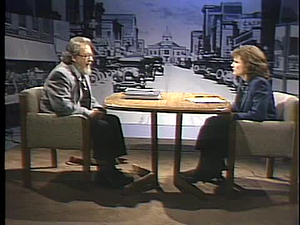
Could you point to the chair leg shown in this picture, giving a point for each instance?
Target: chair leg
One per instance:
(269, 167)
(230, 161)
(86, 156)
(26, 167)
(230, 173)
(293, 195)
(54, 157)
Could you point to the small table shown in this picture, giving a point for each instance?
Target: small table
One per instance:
(170, 102)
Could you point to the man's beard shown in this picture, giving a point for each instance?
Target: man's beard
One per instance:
(87, 70)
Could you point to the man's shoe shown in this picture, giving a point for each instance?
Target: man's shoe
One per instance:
(123, 177)
(106, 179)
(120, 160)
(75, 161)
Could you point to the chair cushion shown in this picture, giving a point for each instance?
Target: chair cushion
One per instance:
(33, 96)
(268, 138)
(286, 106)
(50, 131)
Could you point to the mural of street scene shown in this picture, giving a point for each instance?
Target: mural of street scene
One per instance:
(138, 42)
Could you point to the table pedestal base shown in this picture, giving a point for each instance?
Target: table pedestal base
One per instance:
(185, 186)
(147, 181)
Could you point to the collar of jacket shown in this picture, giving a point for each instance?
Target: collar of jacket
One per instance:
(75, 72)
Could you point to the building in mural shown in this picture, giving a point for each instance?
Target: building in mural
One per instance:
(141, 47)
(36, 35)
(226, 27)
(196, 44)
(109, 42)
(129, 38)
(168, 49)
(49, 24)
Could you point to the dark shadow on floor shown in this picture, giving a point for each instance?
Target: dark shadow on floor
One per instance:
(56, 191)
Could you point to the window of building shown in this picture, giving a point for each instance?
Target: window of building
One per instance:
(35, 23)
(22, 20)
(228, 40)
(46, 26)
(166, 52)
(73, 14)
(7, 17)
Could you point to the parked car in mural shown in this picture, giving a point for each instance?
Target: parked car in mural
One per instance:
(199, 66)
(15, 82)
(111, 65)
(215, 68)
(148, 61)
(103, 67)
(223, 73)
(156, 66)
(131, 72)
(185, 63)
(96, 76)
(231, 80)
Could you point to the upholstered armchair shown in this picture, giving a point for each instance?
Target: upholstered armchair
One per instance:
(44, 130)
(269, 139)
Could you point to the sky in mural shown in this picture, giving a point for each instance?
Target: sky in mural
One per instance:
(181, 16)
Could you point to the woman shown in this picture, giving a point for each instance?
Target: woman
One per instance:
(254, 101)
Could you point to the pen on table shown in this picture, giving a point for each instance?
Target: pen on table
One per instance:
(204, 96)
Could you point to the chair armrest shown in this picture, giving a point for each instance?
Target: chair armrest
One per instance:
(267, 138)
(49, 130)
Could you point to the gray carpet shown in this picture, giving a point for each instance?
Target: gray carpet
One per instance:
(59, 196)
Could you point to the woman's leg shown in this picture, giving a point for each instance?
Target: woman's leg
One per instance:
(212, 142)
(212, 138)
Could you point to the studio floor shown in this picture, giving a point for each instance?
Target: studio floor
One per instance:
(60, 197)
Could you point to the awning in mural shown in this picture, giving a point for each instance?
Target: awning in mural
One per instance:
(21, 49)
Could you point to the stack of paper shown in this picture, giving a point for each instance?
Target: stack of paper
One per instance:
(136, 93)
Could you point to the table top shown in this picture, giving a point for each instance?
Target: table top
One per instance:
(174, 102)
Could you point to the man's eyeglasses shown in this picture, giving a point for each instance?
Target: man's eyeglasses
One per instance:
(86, 56)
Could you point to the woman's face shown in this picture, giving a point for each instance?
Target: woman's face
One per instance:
(238, 66)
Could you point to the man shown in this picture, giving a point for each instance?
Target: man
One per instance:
(67, 91)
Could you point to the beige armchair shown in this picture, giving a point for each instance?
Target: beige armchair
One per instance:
(44, 130)
(269, 139)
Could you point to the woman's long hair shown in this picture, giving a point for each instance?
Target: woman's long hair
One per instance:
(255, 61)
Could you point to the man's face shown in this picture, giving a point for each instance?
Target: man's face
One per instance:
(238, 66)
(84, 59)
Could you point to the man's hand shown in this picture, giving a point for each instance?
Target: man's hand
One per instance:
(98, 114)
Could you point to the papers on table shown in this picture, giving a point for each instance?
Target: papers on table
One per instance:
(136, 93)
(204, 99)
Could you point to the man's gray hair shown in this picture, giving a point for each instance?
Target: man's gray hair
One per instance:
(73, 48)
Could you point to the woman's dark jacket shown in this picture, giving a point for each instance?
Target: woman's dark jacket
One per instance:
(255, 102)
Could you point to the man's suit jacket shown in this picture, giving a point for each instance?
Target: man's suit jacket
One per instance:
(256, 102)
(62, 92)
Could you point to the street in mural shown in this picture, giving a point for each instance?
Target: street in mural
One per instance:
(135, 39)
(197, 35)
